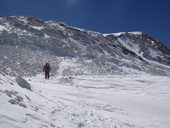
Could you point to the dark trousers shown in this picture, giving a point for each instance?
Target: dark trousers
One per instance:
(47, 75)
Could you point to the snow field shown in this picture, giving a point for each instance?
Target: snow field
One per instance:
(101, 101)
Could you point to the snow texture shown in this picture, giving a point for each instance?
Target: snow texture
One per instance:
(98, 101)
(96, 80)
(28, 42)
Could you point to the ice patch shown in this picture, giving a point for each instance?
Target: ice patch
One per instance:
(37, 27)
(120, 33)
(23, 19)
(136, 33)
(3, 28)
(46, 36)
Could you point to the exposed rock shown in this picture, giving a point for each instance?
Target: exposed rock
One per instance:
(18, 100)
(26, 43)
(23, 83)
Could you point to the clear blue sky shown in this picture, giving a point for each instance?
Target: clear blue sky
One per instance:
(105, 16)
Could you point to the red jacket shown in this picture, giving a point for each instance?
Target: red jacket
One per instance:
(46, 68)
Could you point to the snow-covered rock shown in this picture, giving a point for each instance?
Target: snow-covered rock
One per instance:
(23, 83)
(96, 80)
(26, 43)
(93, 101)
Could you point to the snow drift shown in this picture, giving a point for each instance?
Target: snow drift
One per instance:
(101, 101)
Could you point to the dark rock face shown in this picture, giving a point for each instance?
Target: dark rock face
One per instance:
(23, 83)
(26, 43)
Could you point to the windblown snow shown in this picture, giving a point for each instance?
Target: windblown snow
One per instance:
(117, 80)
(98, 101)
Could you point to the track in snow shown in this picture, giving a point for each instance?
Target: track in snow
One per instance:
(88, 102)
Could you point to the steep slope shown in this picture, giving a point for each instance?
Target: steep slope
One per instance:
(26, 43)
(144, 46)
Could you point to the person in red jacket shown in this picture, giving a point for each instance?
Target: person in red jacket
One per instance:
(47, 69)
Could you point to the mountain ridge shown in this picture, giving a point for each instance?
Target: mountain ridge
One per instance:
(27, 42)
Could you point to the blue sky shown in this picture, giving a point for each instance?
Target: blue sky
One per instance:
(105, 16)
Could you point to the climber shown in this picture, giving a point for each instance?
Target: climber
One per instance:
(47, 69)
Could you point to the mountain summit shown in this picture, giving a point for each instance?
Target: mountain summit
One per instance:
(26, 43)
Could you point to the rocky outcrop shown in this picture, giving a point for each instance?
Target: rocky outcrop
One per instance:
(26, 43)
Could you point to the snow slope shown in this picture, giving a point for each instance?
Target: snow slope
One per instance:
(98, 81)
(27, 42)
(96, 101)
(143, 45)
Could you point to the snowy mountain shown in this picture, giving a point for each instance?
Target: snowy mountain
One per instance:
(26, 43)
(144, 46)
(117, 80)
